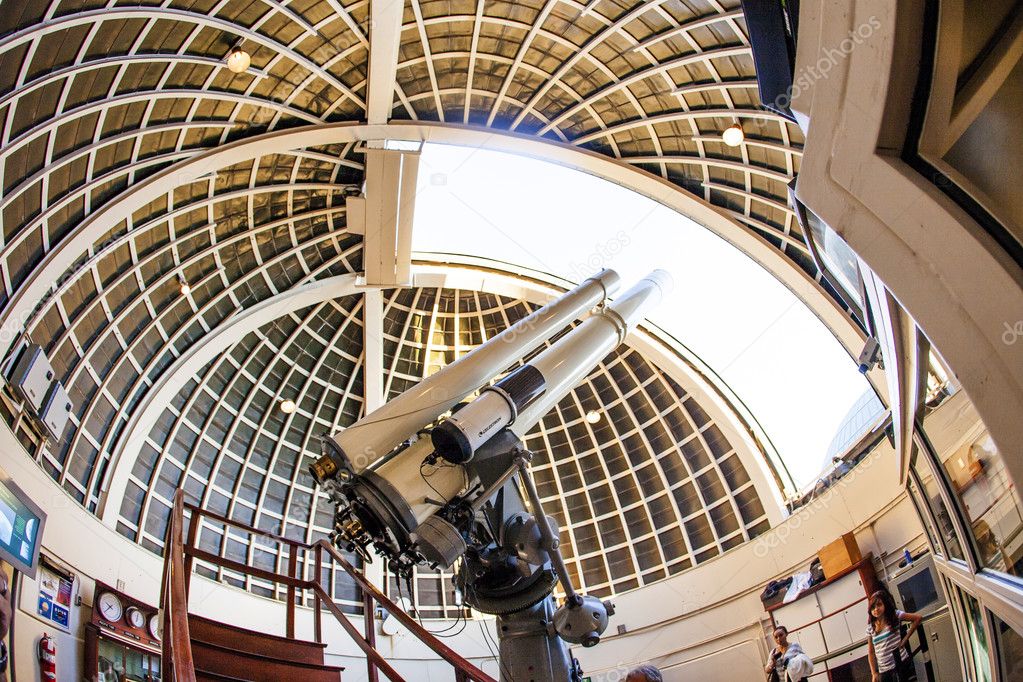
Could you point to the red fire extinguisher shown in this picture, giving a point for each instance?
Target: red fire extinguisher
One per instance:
(47, 658)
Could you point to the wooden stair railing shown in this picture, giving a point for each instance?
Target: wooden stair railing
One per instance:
(181, 552)
(176, 644)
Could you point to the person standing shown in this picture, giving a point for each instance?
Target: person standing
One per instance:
(887, 646)
(781, 655)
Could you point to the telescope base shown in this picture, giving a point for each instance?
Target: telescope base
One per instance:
(529, 649)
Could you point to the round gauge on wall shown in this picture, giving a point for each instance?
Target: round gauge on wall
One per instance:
(110, 607)
(135, 618)
(155, 626)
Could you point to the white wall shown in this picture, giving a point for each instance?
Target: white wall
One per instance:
(707, 623)
(78, 540)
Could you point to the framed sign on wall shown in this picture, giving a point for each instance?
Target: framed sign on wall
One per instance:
(56, 590)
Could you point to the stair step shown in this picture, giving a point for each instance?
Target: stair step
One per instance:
(228, 662)
(252, 642)
(206, 676)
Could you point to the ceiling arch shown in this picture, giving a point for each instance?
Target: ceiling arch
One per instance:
(133, 161)
(649, 82)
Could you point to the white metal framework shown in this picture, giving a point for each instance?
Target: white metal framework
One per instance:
(149, 197)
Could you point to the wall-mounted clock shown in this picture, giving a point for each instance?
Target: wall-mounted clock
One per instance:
(135, 617)
(155, 626)
(110, 607)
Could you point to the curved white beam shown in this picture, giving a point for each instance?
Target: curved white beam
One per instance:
(613, 29)
(653, 70)
(56, 263)
(197, 357)
(675, 116)
(91, 17)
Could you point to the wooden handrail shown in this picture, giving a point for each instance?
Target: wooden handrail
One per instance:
(176, 645)
(177, 652)
(371, 653)
(289, 628)
(443, 650)
(369, 627)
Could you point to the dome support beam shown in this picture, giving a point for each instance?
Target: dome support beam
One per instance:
(384, 40)
(373, 348)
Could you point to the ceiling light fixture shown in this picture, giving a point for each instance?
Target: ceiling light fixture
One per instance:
(592, 417)
(403, 145)
(238, 59)
(185, 287)
(287, 406)
(733, 135)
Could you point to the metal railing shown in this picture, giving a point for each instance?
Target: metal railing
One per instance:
(181, 551)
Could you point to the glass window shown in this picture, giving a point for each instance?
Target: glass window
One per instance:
(937, 506)
(977, 638)
(1010, 652)
(111, 658)
(938, 386)
(921, 507)
(990, 502)
(839, 259)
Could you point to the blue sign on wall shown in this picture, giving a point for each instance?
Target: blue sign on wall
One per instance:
(54, 597)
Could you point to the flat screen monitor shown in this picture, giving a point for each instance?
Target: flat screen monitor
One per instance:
(21, 527)
(918, 591)
(915, 587)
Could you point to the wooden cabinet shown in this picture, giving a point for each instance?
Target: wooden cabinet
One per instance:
(121, 640)
(111, 659)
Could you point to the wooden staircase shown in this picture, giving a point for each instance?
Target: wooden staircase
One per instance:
(197, 649)
(227, 652)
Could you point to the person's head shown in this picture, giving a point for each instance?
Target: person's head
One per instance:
(781, 635)
(644, 673)
(881, 608)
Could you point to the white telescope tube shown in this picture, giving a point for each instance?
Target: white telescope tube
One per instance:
(409, 482)
(521, 398)
(378, 433)
(568, 361)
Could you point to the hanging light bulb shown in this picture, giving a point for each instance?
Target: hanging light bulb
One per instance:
(733, 135)
(592, 417)
(288, 406)
(184, 286)
(238, 59)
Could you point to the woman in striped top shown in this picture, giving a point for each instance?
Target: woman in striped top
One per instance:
(888, 656)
